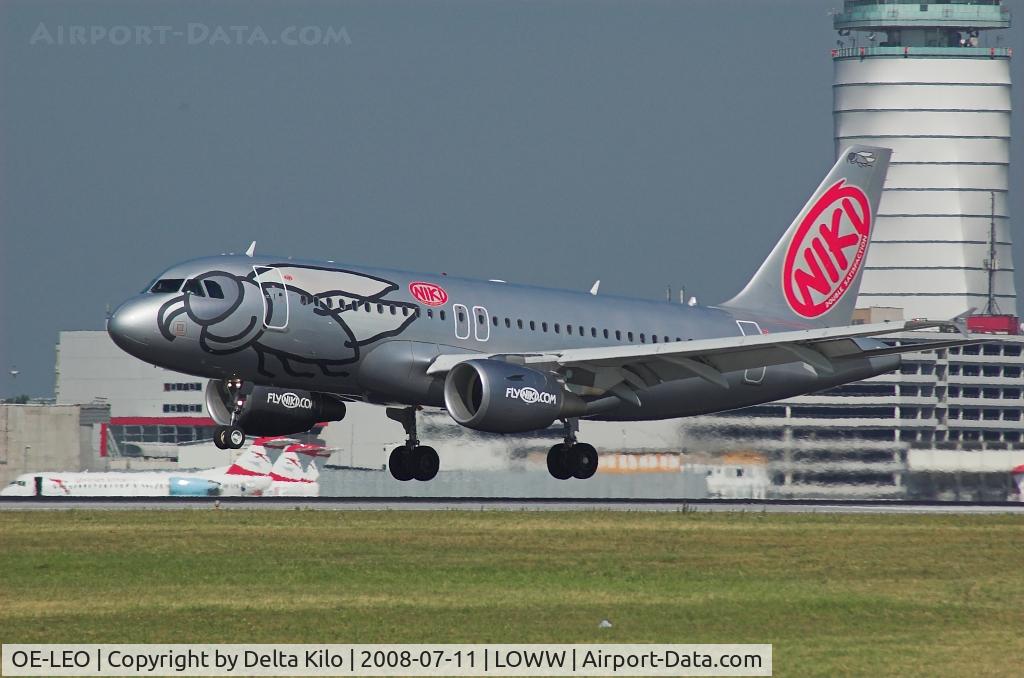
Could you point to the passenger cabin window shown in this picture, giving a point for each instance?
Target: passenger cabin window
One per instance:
(606, 334)
(593, 331)
(543, 327)
(213, 289)
(533, 326)
(167, 286)
(441, 315)
(557, 330)
(508, 323)
(618, 335)
(192, 287)
(519, 324)
(629, 336)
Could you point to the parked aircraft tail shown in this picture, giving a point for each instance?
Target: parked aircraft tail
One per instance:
(300, 463)
(812, 277)
(259, 457)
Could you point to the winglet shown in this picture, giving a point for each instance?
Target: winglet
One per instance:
(960, 321)
(594, 288)
(252, 249)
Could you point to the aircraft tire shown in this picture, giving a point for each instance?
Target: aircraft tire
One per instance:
(220, 437)
(400, 463)
(585, 457)
(235, 437)
(558, 461)
(425, 463)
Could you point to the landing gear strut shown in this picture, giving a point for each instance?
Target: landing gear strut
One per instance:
(232, 437)
(572, 459)
(411, 460)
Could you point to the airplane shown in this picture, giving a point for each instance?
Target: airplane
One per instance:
(296, 472)
(248, 475)
(286, 343)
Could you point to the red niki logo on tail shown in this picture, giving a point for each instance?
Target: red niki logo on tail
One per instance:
(827, 250)
(428, 293)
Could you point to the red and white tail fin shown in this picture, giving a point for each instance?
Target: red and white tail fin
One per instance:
(300, 463)
(812, 276)
(258, 459)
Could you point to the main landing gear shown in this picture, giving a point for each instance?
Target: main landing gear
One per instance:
(411, 460)
(231, 437)
(572, 459)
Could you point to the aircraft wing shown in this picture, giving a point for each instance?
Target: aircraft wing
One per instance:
(595, 371)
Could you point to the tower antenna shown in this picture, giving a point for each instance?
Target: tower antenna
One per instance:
(992, 263)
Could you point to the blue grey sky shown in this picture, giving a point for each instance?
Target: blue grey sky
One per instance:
(645, 143)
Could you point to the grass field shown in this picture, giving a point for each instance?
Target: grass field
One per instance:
(836, 595)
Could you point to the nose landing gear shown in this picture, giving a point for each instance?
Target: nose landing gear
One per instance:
(412, 460)
(232, 437)
(572, 459)
(229, 437)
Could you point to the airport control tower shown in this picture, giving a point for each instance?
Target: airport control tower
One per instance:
(930, 80)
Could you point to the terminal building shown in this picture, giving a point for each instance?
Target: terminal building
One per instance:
(930, 81)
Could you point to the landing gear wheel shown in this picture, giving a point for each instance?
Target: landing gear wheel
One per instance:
(235, 437)
(585, 458)
(425, 463)
(220, 437)
(559, 462)
(400, 463)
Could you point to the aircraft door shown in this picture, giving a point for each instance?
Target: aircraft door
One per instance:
(38, 482)
(275, 297)
(754, 375)
(462, 321)
(481, 323)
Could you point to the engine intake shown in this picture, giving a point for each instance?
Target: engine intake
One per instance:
(501, 397)
(273, 411)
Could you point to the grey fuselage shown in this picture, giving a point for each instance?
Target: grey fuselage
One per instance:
(362, 333)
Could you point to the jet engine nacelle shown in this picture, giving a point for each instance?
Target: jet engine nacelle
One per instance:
(193, 487)
(273, 411)
(502, 397)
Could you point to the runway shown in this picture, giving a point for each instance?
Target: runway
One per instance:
(505, 504)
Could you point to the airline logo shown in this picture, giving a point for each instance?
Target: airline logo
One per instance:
(827, 251)
(289, 400)
(530, 395)
(428, 293)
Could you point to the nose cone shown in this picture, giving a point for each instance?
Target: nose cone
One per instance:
(133, 326)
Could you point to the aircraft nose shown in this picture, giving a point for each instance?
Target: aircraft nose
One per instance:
(132, 325)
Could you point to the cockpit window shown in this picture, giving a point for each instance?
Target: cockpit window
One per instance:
(214, 289)
(167, 286)
(193, 287)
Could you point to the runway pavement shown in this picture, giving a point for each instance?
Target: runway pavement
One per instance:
(504, 504)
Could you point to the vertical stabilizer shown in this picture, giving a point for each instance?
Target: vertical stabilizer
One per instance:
(812, 277)
(258, 458)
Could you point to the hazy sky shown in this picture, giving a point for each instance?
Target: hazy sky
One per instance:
(642, 143)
